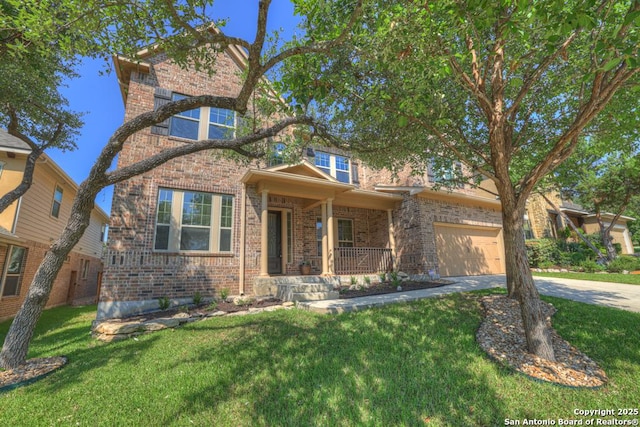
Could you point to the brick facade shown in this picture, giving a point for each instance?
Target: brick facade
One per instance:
(84, 292)
(136, 274)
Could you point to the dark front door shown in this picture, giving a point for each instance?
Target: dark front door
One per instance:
(274, 243)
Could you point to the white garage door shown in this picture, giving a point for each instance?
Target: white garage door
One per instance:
(465, 250)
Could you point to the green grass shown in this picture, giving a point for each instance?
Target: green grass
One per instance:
(397, 365)
(630, 279)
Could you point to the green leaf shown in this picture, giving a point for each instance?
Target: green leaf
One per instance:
(611, 64)
(403, 121)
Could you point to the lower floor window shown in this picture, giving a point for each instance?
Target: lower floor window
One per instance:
(345, 233)
(13, 271)
(193, 221)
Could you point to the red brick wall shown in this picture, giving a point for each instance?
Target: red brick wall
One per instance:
(85, 290)
(415, 233)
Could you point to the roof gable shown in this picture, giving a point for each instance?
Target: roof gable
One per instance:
(303, 168)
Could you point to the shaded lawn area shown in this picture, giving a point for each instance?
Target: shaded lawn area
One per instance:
(630, 279)
(405, 364)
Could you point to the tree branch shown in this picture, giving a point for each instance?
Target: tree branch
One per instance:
(194, 147)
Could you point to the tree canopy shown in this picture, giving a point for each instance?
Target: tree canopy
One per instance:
(506, 87)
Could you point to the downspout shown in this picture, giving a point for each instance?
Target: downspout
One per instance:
(243, 234)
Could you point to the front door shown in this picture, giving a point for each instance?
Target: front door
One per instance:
(274, 244)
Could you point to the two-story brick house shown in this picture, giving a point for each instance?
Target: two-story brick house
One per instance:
(202, 223)
(30, 224)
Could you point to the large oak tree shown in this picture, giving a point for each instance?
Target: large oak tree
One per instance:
(183, 32)
(507, 87)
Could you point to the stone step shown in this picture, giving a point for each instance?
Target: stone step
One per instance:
(314, 296)
(271, 285)
(285, 291)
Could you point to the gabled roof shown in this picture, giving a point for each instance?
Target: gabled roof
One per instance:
(304, 180)
(305, 168)
(13, 144)
(124, 66)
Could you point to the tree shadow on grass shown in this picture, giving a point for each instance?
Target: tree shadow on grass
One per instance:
(402, 364)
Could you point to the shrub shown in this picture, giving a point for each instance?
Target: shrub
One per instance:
(367, 280)
(383, 277)
(224, 294)
(163, 303)
(197, 298)
(590, 266)
(623, 263)
(394, 278)
(546, 264)
(543, 251)
(354, 281)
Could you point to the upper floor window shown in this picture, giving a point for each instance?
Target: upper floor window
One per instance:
(277, 157)
(10, 282)
(334, 165)
(193, 221)
(446, 172)
(203, 122)
(1, 168)
(57, 202)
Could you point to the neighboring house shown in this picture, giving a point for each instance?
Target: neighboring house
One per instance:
(543, 221)
(202, 223)
(29, 225)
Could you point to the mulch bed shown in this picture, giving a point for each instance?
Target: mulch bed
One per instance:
(501, 335)
(32, 370)
(389, 288)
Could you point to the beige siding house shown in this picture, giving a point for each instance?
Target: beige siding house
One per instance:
(33, 222)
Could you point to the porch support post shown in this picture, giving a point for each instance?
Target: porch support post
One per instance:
(392, 240)
(330, 234)
(243, 239)
(264, 235)
(325, 242)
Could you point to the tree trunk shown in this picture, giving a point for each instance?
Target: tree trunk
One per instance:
(607, 241)
(520, 282)
(16, 343)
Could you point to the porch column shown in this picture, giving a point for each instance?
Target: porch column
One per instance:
(392, 240)
(264, 235)
(325, 242)
(330, 242)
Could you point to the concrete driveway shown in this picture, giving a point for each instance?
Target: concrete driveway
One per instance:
(608, 294)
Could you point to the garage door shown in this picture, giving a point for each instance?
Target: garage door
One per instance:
(464, 250)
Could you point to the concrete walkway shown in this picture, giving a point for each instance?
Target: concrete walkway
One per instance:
(607, 294)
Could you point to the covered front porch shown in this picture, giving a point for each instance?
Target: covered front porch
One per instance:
(306, 217)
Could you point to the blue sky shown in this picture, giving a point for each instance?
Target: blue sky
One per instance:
(98, 96)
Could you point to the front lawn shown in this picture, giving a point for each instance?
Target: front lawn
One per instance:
(630, 279)
(406, 364)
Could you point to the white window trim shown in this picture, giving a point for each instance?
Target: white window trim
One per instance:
(333, 171)
(175, 227)
(203, 122)
(1, 167)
